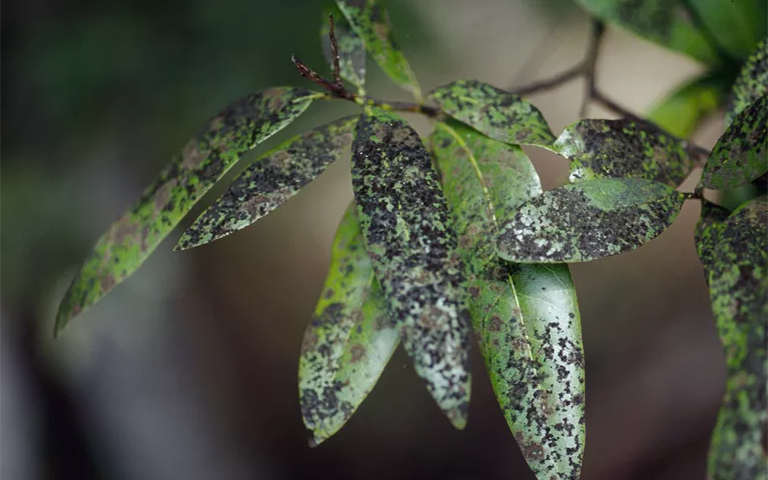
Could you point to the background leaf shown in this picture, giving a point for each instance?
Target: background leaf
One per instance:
(370, 21)
(412, 244)
(738, 287)
(270, 181)
(501, 115)
(589, 220)
(752, 82)
(707, 232)
(740, 155)
(350, 338)
(736, 26)
(351, 52)
(623, 148)
(682, 111)
(525, 316)
(243, 124)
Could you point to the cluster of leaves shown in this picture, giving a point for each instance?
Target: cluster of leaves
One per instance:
(454, 235)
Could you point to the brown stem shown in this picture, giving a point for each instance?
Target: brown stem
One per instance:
(334, 51)
(590, 64)
(549, 83)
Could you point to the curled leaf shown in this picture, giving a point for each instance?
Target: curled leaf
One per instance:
(683, 110)
(351, 53)
(589, 220)
(270, 181)
(243, 124)
(752, 82)
(623, 148)
(741, 154)
(500, 115)
(350, 338)
(412, 245)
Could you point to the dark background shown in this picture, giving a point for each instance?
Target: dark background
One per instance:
(188, 369)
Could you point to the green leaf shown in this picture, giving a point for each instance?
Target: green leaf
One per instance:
(707, 232)
(736, 26)
(525, 316)
(412, 244)
(370, 21)
(351, 53)
(683, 110)
(738, 287)
(270, 181)
(660, 21)
(623, 148)
(501, 115)
(350, 338)
(740, 155)
(243, 124)
(589, 220)
(751, 84)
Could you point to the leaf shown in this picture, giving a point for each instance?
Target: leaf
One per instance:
(270, 181)
(243, 124)
(707, 232)
(412, 244)
(351, 53)
(751, 84)
(660, 21)
(736, 26)
(738, 287)
(589, 220)
(683, 110)
(370, 21)
(350, 338)
(623, 148)
(525, 316)
(501, 115)
(740, 155)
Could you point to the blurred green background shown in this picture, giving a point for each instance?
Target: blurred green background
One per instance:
(188, 370)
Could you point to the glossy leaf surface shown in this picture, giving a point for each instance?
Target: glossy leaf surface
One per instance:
(243, 124)
(736, 26)
(351, 53)
(623, 148)
(589, 220)
(525, 316)
(683, 110)
(412, 244)
(270, 181)
(500, 115)
(751, 84)
(350, 338)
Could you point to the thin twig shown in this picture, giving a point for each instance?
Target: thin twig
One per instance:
(549, 83)
(334, 51)
(590, 65)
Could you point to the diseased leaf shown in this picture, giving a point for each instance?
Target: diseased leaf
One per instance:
(270, 181)
(623, 148)
(500, 115)
(736, 26)
(738, 287)
(683, 110)
(589, 220)
(751, 84)
(740, 155)
(707, 232)
(412, 245)
(662, 21)
(525, 316)
(243, 124)
(370, 21)
(351, 53)
(350, 338)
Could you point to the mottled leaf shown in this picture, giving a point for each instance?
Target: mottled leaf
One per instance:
(662, 21)
(525, 316)
(740, 155)
(412, 244)
(242, 125)
(684, 109)
(350, 338)
(736, 26)
(623, 148)
(738, 287)
(751, 84)
(351, 53)
(501, 115)
(370, 21)
(589, 220)
(270, 181)
(707, 232)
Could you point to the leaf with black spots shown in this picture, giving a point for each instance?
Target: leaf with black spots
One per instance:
(707, 232)
(738, 287)
(350, 338)
(623, 148)
(683, 110)
(741, 153)
(500, 115)
(589, 220)
(370, 21)
(752, 82)
(242, 125)
(412, 244)
(270, 181)
(351, 53)
(526, 316)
